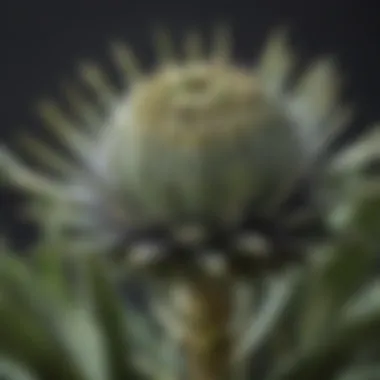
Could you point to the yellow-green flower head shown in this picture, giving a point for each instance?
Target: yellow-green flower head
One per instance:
(187, 142)
(197, 141)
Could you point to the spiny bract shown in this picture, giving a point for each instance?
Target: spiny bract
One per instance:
(198, 141)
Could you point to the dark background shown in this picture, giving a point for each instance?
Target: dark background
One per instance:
(42, 41)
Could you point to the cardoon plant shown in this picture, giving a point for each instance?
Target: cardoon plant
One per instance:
(212, 185)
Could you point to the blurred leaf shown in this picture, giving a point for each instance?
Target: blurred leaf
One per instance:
(38, 342)
(361, 373)
(366, 301)
(83, 341)
(80, 337)
(331, 284)
(326, 359)
(11, 370)
(358, 210)
(49, 265)
(366, 217)
(265, 322)
(111, 317)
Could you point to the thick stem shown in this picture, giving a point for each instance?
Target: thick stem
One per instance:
(206, 306)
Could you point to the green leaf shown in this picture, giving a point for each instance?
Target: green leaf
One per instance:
(366, 217)
(31, 329)
(358, 211)
(265, 322)
(345, 270)
(110, 314)
(12, 370)
(333, 352)
(361, 373)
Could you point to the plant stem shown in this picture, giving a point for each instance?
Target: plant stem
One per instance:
(206, 307)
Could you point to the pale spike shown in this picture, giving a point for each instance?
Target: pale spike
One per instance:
(276, 62)
(339, 120)
(46, 155)
(126, 62)
(316, 95)
(222, 44)
(13, 172)
(164, 46)
(63, 128)
(82, 107)
(335, 125)
(98, 82)
(353, 158)
(320, 80)
(193, 46)
(66, 214)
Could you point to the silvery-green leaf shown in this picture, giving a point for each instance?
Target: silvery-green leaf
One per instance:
(358, 209)
(334, 351)
(276, 63)
(331, 284)
(361, 152)
(366, 301)
(12, 370)
(366, 217)
(82, 107)
(111, 317)
(97, 80)
(83, 341)
(32, 344)
(369, 372)
(17, 174)
(268, 317)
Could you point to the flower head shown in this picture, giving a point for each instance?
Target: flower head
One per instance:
(201, 144)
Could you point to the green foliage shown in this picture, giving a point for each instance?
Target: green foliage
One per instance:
(61, 325)
(60, 314)
(57, 327)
